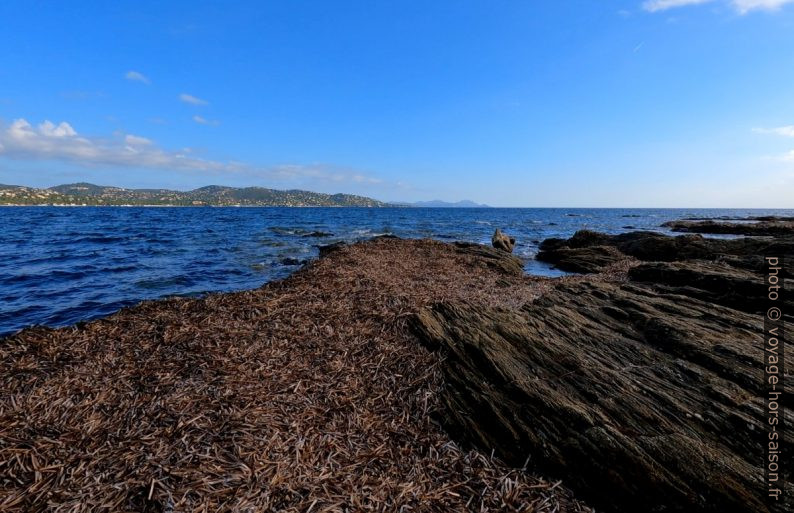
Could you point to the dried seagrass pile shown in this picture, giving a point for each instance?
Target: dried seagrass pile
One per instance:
(309, 394)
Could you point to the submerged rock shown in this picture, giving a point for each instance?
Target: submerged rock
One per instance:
(292, 261)
(503, 241)
(317, 234)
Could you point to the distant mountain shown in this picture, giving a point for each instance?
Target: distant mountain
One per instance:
(212, 195)
(446, 204)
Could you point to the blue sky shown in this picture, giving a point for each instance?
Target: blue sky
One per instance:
(660, 103)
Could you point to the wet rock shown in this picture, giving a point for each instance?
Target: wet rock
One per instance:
(503, 241)
(327, 249)
(317, 234)
(292, 261)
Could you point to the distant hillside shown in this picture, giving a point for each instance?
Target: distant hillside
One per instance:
(446, 204)
(213, 195)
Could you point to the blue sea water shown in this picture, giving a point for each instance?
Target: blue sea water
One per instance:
(61, 265)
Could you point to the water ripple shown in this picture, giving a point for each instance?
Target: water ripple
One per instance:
(59, 266)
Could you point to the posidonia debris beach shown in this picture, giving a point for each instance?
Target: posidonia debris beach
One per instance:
(308, 394)
(411, 375)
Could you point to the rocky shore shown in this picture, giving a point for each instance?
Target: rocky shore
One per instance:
(411, 375)
(647, 394)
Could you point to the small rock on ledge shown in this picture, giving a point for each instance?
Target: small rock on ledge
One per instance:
(502, 241)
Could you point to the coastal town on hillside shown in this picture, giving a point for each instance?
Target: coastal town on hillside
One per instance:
(85, 194)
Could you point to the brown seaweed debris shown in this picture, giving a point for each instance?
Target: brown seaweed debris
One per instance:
(308, 394)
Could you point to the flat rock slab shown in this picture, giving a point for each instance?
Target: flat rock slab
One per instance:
(756, 226)
(643, 401)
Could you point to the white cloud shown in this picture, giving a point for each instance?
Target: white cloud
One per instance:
(203, 121)
(137, 77)
(786, 131)
(134, 140)
(48, 141)
(187, 98)
(662, 5)
(742, 6)
(63, 130)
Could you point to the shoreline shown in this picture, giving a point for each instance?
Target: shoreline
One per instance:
(401, 355)
(321, 362)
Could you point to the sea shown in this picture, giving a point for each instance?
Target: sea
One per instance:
(62, 265)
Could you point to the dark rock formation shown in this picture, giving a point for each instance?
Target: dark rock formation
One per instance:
(645, 395)
(589, 259)
(503, 241)
(761, 226)
(773, 218)
(327, 249)
(292, 261)
(317, 234)
(714, 282)
(493, 258)
(652, 246)
(642, 400)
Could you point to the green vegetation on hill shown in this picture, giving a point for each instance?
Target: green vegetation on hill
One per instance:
(213, 195)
